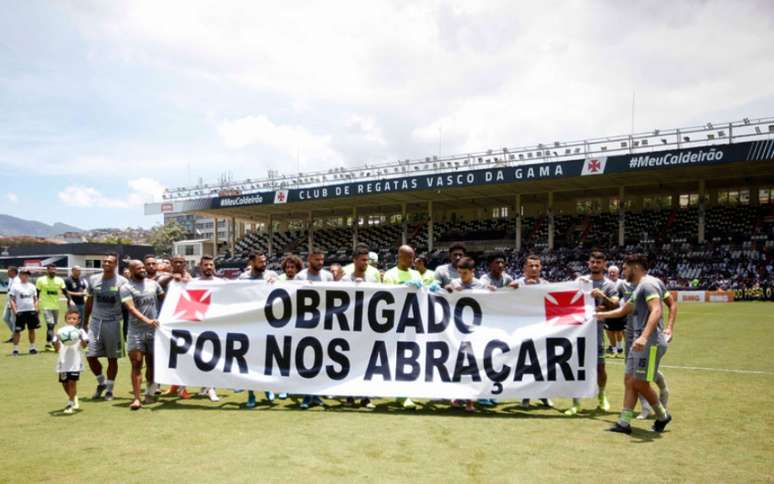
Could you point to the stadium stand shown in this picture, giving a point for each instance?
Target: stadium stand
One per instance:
(739, 250)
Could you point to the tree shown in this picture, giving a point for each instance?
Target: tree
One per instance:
(163, 236)
(117, 239)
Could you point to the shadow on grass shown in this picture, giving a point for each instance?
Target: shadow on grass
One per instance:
(644, 436)
(60, 413)
(383, 407)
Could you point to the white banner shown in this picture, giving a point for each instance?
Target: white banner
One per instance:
(349, 339)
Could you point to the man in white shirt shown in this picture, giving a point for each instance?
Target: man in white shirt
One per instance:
(8, 316)
(24, 305)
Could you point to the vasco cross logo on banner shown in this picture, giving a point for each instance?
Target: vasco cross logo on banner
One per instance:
(594, 166)
(193, 304)
(565, 307)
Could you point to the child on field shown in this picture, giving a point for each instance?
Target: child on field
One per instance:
(68, 342)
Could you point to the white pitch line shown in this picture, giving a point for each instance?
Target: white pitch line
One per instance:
(699, 368)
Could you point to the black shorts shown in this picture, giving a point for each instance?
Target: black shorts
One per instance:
(27, 320)
(69, 376)
(615, 324)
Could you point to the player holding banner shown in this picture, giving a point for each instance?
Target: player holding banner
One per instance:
(649, 343)
(605, 297)
(531, 275)
(142, 297)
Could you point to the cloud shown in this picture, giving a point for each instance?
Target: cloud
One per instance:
(80, 196)
(183, 89)
(12, 198)
(141, 190)
(367, 127)
(289, 141)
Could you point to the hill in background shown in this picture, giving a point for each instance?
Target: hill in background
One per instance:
(12, 226)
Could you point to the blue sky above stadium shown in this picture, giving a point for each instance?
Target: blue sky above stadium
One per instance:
(102, 104)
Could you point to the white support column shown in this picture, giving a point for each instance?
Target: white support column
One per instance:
(621, 216)
(231, 225)
(518, 222)
(271, 237)
(550, 211)
(310, 231)
(354, 228)
(702, 190)
(215, 234)
(404, 225)
(430, 226)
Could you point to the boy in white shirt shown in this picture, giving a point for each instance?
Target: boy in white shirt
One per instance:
(68, 342)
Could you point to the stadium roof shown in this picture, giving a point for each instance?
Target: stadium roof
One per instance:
(724, 152)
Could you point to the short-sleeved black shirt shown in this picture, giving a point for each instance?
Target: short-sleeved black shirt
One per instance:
(78, 285)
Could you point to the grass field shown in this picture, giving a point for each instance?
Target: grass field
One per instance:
(723, 427)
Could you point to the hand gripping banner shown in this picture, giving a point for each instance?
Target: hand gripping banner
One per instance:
(359, 339)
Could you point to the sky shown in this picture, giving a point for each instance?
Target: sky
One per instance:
(103, 104)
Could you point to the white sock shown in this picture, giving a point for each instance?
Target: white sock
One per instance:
(100, 379)
(109, 384)
(16, 347)
(32, 347)
(660, 381)
(70, 403)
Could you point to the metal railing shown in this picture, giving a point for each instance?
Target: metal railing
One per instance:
(641, 142)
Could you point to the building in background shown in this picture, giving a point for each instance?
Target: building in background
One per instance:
(86, 255)
(200, 227)
(193, 250)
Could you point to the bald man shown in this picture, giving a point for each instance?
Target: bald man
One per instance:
(75, 286)
(142, 298)
(404, 274)
(615, 327)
